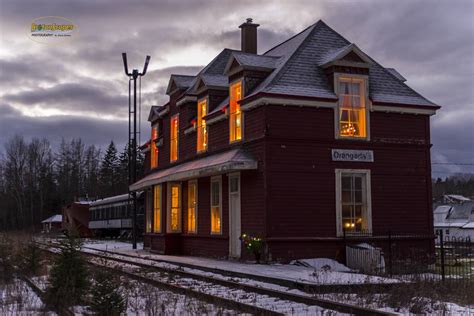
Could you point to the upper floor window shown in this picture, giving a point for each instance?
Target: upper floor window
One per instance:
(235, 117)
(174, 132)
(201, 126)
(153, 147)
(352, 107)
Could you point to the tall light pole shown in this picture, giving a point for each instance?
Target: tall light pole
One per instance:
(132, 137)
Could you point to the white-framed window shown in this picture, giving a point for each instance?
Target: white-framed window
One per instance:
(192, 206)
(353, 201)
(216, 205)
(174, 207)
(352, 116)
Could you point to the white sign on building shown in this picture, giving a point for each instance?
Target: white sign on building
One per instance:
(352, 155)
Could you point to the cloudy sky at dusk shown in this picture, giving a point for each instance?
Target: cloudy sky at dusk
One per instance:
(78, 89)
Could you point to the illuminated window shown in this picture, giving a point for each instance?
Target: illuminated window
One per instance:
(353, 201)
(174, 132)
(149, 211)
(235, 115)
(157, 209)
(352, 108)
(216, 205)
(201, 126)
(192, 206)
(174, 207)
(153, 148)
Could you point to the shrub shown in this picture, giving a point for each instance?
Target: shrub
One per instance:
(107, 297)
(253, 245)
(31, 259)
(68, 279)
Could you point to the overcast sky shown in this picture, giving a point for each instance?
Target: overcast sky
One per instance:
(78, 89)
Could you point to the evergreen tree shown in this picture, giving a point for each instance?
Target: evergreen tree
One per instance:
(109, 171)
(123, 170)
(69, 276)
(107, 298)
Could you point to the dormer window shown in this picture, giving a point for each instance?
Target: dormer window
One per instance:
(174, 132)
(352, 107)
(201, 125)
(153, 147)
(235, 115)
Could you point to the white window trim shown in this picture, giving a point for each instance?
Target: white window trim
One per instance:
(219, 180)
(339, 172)
(197, 126)
(168, 208)
(197, 205)
(242, 120)
(239, 225)
(368, 106)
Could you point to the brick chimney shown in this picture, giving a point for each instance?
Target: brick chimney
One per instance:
(249, 36)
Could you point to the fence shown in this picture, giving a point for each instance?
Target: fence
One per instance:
(437, 257)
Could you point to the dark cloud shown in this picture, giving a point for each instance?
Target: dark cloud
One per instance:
(431, 43)
(73, 97)
(92, 131)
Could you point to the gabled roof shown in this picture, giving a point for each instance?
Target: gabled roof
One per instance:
(298, 70)
(215, 67)
(215, 81)
(180, 82)
(251, 61)
(155, 111)
(337, 54)
(396, 74)
(301, 74)
(58, 218)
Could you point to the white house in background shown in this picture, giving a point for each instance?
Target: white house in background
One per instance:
(455, 217)
(52, 223)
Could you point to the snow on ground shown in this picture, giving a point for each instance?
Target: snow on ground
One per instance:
(290, 272)
(17, 298)
(322, 264)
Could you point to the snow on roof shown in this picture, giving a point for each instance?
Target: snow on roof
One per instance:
(442, 209)
(58, 218)
(457, 197)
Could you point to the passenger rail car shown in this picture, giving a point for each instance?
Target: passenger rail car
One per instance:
(113, 216)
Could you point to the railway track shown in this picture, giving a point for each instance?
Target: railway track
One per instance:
(248, 296)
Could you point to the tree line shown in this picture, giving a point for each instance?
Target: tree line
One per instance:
(462, 184)
(37, 181)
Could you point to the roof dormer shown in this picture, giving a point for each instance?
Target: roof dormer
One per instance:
(178, 83)
(347, 56)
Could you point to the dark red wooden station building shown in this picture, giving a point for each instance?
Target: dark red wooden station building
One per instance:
(302, 145)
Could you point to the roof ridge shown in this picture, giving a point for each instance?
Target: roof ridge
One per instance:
(284, 67)
(292, 37)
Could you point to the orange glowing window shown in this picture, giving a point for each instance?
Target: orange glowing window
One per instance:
(216, 206)
(174, 128)
(192, 206)
(352, 108)
(235, 115)
(153, 147)
(174, 219)
(157, 208)
(201, 126)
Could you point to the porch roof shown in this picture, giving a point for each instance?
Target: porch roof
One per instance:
(228, 161)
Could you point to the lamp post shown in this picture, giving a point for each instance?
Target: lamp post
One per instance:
(132, 137)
